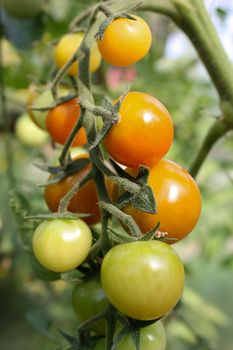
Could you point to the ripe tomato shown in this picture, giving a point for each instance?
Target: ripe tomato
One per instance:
(178, 201)
(88, 300)
(22, 8)
(67, 46)
(61, 245)
(144, 132)
(143, 280)
(84, 201)
(62, 119)
(45, 99)
(28, 133)
(152, 337)
(125, 41)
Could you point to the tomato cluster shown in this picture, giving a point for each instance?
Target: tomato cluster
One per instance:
(142, 279)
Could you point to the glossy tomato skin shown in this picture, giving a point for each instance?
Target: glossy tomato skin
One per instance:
(143, 134)
(28, 133)
(178, 201)
(125, 41)
(143, 280)
(61, 245)
(88, 300)
(152, 337)
(84, 201)
(67, 46)
(61, 120)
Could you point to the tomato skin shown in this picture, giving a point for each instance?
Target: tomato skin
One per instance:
(178, 201)
(61, 245)
(28, 133)
(67, 46)
(125, 41)
(143, 134)
(152, 337)
(22, 9)
(88, 299)
(61, 120)
(143, 280)
(84, 201)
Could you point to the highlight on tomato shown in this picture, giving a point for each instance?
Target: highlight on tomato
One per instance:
(61, 245)
(144, 132)
(67, 46)
(85, 200)
(125, 41)
(88, 300)
(143, 280)
(61, 120)
(178, 201)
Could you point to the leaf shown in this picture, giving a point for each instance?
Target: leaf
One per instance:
(144, 200)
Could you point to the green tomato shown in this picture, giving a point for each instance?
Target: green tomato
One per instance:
(143, 280)
(152, 337)
(28, 133)
(88, 299)
(22, 9)
(61, 245)
(45, 99)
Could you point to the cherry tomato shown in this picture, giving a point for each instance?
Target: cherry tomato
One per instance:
(84, 201)
(152, 337)
(28, 133)
(178, 201)
(45, 99)
(143, 280)
(62, 119)
(67, 46)
(144, 132)
(125, 41)
(22, 8)
(61, 245)
(88, 300)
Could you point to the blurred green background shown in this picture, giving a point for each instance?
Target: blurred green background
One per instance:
(32, 310)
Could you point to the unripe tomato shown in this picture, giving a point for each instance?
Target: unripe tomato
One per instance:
(143, 280)
(84, 201)
(144, 132)
(43, 100)
(67, 46)
(22, 9)
(61, 245)
(88, 300)
(61, 120)
(152, 337)
(125, 41)
(28, 133)
(178, 201)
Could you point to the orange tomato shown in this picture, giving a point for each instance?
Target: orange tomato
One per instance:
(144, 132)
(62, 119)
(125, 41)
(178, 201)
(84, 201)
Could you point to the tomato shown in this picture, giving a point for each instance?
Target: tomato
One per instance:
(100, 344)
(22, 8)
(45, 99)
(125, 41)
(84, 201)
(144, 132)
(88, 300)
(61, 245)
(62, 119)
(143, 280)
(28, 133)
(178, 201)
(67, 46)
(152, 337)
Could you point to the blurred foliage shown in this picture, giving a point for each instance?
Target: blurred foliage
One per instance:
(203, 319)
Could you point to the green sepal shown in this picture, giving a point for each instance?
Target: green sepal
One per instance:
(144, 200)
